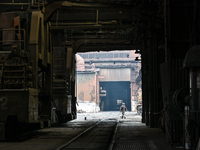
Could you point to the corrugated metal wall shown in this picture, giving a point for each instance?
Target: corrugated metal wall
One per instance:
(120, 74)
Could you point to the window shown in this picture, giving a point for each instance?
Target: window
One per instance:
(84, 55)
(110, 55)
(97, 56)
(115, 55)
(91, 55)
(121, 55)
(104, 55)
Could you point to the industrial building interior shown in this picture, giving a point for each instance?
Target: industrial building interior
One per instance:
(39, 40)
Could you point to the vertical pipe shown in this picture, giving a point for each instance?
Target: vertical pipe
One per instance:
(193, 90)
(57, 19)
(43, 79)
(29, 1)
(194, 103)
(132, 109)
(25, 48)
(97, 19)
(38, 4)
(187, 143)
(165, 26)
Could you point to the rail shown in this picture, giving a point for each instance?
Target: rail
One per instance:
(17, 3)
(85, 131)
(30, 3)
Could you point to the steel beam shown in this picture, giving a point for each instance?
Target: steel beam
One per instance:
(79, 43)
(64, 16)
(108, 47)
(52, 7)
(92, 27)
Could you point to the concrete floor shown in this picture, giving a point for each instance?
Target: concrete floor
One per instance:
(130, 134)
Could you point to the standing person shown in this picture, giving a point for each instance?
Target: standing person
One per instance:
(123, 109)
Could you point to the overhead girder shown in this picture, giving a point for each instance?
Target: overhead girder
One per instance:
(85, 16)
(107, 47)
(52, 7)
(92, 27)
(80, 44)
(93, 16)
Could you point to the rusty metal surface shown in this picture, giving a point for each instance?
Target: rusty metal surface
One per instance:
(20, 103)
(87, 88)
(14, 103)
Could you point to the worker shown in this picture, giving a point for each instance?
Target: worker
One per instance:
(123, 109)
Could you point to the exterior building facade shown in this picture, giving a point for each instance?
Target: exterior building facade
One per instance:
(108, 79)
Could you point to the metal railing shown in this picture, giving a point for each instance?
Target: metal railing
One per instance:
(29, 2)
(14, 41)
(15, 3)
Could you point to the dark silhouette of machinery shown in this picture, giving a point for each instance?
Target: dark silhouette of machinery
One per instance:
(39, 39)
(36, 88)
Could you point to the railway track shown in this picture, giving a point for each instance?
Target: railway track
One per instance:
(98, 136)
(101, 131)
(96, 132)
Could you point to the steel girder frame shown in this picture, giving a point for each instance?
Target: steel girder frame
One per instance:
(52, 7)
(40, 48)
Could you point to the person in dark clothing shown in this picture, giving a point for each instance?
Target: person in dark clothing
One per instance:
(123, 109)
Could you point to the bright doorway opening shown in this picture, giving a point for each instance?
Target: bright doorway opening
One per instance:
(105, 80)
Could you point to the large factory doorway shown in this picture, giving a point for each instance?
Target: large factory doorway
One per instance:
(105, 80)
(116, 94)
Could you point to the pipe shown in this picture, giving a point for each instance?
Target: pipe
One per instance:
(29, 6)
(187, 138)
(194, 103)
(29, 3)
(193, 90)
(97, 19)
(13, 3)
